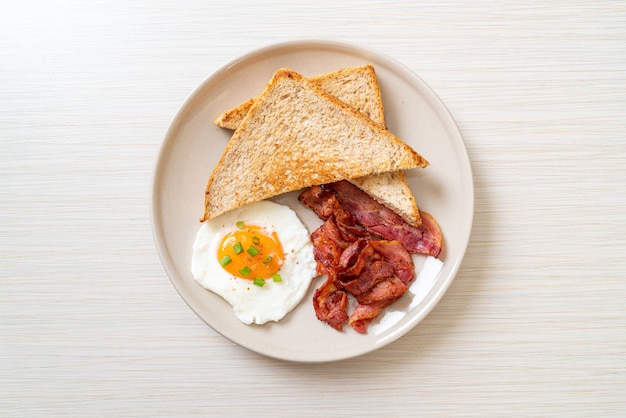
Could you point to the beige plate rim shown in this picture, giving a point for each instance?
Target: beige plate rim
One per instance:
(193, 144)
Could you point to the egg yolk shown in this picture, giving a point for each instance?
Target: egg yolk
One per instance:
(251, 253)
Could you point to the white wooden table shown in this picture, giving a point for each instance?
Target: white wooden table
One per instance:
(535, 322)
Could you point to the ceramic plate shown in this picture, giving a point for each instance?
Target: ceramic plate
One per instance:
(193, 144)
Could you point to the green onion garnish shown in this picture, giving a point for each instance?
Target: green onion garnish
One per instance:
(276, 277)
(267, 260)
(245, 271)
(238, 248)
(258, 281)
(256, 240)
(240, 224)
(252, 251)
(225, 261)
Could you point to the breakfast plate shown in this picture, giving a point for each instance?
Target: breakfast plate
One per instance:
(193, 144)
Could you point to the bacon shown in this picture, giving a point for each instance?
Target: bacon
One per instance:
(355, 258)
(319, 201)
(432, 240)
(390, 288)
(373, 302)
(399, 258)
(380, 220)
(328, 245)
(371, 271)
(325, 204)
(365, 250)
(364, 314)
(330, 304)
(364, 283)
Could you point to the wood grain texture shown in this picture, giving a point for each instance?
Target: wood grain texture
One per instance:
(534, 324)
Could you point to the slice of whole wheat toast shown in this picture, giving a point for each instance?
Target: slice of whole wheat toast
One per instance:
(355, 86)
(358, 88)
(296, 135)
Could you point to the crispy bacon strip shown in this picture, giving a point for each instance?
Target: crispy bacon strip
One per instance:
(399, 258)
(324, 203)
(390, 288)
(363, 283)
(330, 304)
(354, 258)
(364, 314)
(364, 248)
(373, 302)
(380, 220)
(371, 271)
(328, 245)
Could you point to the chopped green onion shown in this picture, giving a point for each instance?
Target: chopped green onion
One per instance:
(259, 281)
(225, 260)
(240, 224)
(256, 240)
(267, 260)
(245, 271)
(252, 251)
(276, 277)
(238, 248)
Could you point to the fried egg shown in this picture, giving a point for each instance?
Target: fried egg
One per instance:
(259, 258)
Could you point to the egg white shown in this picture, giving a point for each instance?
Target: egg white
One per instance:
(254, 304)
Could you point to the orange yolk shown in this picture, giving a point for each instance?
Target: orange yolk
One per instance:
(251, 253)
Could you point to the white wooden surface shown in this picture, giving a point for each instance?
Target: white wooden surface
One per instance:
(534, 324)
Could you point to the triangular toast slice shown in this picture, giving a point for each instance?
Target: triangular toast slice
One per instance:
(357, 87)
(296, 135)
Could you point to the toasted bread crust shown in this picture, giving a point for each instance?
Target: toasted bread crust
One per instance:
(233, 117)
(296, 135)
(357, 87)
